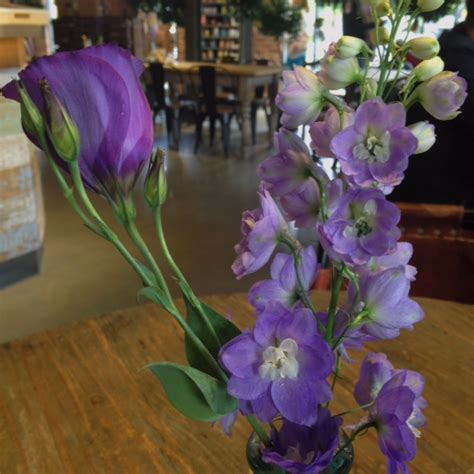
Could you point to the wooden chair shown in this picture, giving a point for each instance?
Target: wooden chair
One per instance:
(260, 100)
(158, 99)
(443, 251)
(215, 107)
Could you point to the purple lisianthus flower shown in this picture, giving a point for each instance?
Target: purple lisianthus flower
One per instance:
(374, 151)
(301, 99)
(323, 132)
(290, 168)
(100, 88)
(280, 367)
(384, 304)
(396, 404)
(442, 95)
(399, 257)
(363, 225)
(283, 287)
(262, 229)
(304, 449)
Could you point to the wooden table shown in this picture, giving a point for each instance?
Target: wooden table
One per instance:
(74, 400)
(246, 77)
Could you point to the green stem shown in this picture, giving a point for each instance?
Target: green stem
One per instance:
(355, 410)
(138, 240)
(335, 290)
(336, 372)
(258, 428)
(108, 233)
(179, 275)
(354, 434)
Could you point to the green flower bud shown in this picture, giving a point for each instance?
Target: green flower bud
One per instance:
(156, 186)
(381, 33)
(381, 7)
(350, 46)
(31, 118)
(428, 68)
(370, 88)
(423, 48)
(429, 5)
(61, 128)
(425, 134)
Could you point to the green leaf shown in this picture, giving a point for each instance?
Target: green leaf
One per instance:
(147, 272)
(156, 295)
(223, 328)
(193, 393)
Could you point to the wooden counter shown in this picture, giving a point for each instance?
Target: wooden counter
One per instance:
(75, 400)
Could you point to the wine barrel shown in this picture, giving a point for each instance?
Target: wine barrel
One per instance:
(21, 205)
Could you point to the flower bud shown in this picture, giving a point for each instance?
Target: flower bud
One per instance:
(423, 48)
(31, 119)
(61, 128)
(337, 73)
(428, 68)
(350, 46)
(425, 134)
(429, 5)
(381, 7)
(442, 95)
(370, 88)
(156, 186)
(381, 34)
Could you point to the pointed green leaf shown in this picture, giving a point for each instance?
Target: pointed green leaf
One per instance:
(156, 295)
(223, 328)
(193, 393)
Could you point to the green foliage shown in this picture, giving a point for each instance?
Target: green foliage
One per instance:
(168, 11)
(222, 330)
(277, 17)
(273, 17)
(193, 393)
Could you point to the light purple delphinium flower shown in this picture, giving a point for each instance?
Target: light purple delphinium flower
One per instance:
(383, 302)
(100, 89)
(442, 95)
(290, 168)
(396, 403)
(374, 151)
(303, 205)
(262, 229)
(283, 287)
(399, 257)
(281, 361)
(363, 225)
(323, 132)
(303, 449)
(301, 99)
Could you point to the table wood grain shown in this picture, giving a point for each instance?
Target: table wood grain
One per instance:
(77, 399)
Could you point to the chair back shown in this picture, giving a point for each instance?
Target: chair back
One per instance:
(208, 88)
(443, 251)
(157, 73)
(260, 90)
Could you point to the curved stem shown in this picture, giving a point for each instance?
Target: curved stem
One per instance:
(179, 275)
(258, 428)
(336, 289)
(108, 233)
(138, 240)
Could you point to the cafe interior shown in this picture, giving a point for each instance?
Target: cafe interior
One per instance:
(213, 71)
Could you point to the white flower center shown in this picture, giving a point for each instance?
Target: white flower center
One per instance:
(374, 149)
(280, 362)
(364, 223)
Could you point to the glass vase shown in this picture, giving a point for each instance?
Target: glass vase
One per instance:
(340, 465)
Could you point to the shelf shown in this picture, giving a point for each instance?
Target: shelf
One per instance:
(233, 38)
(24, 16)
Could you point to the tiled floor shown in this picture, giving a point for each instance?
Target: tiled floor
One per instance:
(84, 276)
